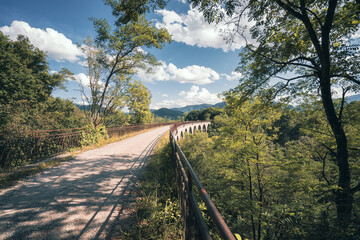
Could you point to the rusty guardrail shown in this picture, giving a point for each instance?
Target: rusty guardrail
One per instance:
(194, 223)
(29, 147)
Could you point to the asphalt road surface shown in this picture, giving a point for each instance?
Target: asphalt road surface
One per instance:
(78, 199)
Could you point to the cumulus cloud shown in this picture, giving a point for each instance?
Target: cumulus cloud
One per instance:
(193, 74)
(83, 79)
(195, 95)
(192, 29)
(57, 45)
(233, 76)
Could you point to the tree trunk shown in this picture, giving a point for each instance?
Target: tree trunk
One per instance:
(344, 196)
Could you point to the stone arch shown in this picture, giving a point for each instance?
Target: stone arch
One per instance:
(181, 135)
(204, 128)
(199, 128)
(190, 130)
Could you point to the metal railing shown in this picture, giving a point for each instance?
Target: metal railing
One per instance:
(194, 223)
(30, 147)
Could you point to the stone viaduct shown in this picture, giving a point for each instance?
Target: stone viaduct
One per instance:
(190, 128)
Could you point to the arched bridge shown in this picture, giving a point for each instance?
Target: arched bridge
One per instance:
(190, 127)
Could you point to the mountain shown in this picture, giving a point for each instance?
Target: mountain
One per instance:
(168, 113)
(199, 107)
(174, 113)
(353, 98)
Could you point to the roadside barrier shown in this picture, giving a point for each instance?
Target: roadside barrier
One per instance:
(195, 226)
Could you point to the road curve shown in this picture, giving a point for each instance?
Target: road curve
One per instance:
(77, 199)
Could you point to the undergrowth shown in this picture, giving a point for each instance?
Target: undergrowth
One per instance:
(157, 212)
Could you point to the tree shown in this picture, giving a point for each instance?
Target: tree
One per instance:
(25, 90)
(310, 40)
(139, 98)
(24, 72)
(206, 114)
(129, 10)
(262, 189)
(111, 60)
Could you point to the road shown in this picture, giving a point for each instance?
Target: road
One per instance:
(78, 199)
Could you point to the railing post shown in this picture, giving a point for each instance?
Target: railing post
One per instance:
(190, 213)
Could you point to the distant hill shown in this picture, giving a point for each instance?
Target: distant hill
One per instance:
(174, 113)
(353, 98)
(199, 107)
(168, 113)
(82, 107)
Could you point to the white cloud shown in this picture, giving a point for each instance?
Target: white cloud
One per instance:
(233, 76)
(192, 29)
(83, 79)
(165, 95)
(197, 96)
(194, 96)
(193, 74)
(57, 45)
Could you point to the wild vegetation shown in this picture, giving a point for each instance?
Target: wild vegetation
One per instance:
(271, 169)
(157, 212)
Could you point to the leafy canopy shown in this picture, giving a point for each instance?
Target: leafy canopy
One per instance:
(24, 72)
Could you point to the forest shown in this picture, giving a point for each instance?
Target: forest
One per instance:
(271, 170)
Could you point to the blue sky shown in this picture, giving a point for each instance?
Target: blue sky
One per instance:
(196, 67)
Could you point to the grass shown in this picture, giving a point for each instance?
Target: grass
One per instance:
(10, 178)
(156, 213)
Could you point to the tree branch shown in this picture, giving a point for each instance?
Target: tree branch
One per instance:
(356, 189)
(342, 103)
(350, 78)
(304, 18)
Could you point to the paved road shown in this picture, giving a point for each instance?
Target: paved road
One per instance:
(78, 199)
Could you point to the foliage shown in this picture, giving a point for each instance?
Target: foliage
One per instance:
(206, 114)
(113, 58)
(54, 113)
(25, 88)
(310, 41)
(91, 135)
(24, 72)
(117, 117)
(157, 210)
(139, 98)
(271, 189)
(128, 10)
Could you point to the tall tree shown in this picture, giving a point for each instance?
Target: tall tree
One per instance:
(311, 40)
(113, 57)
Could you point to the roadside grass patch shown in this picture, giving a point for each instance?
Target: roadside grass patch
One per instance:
(156, 211)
